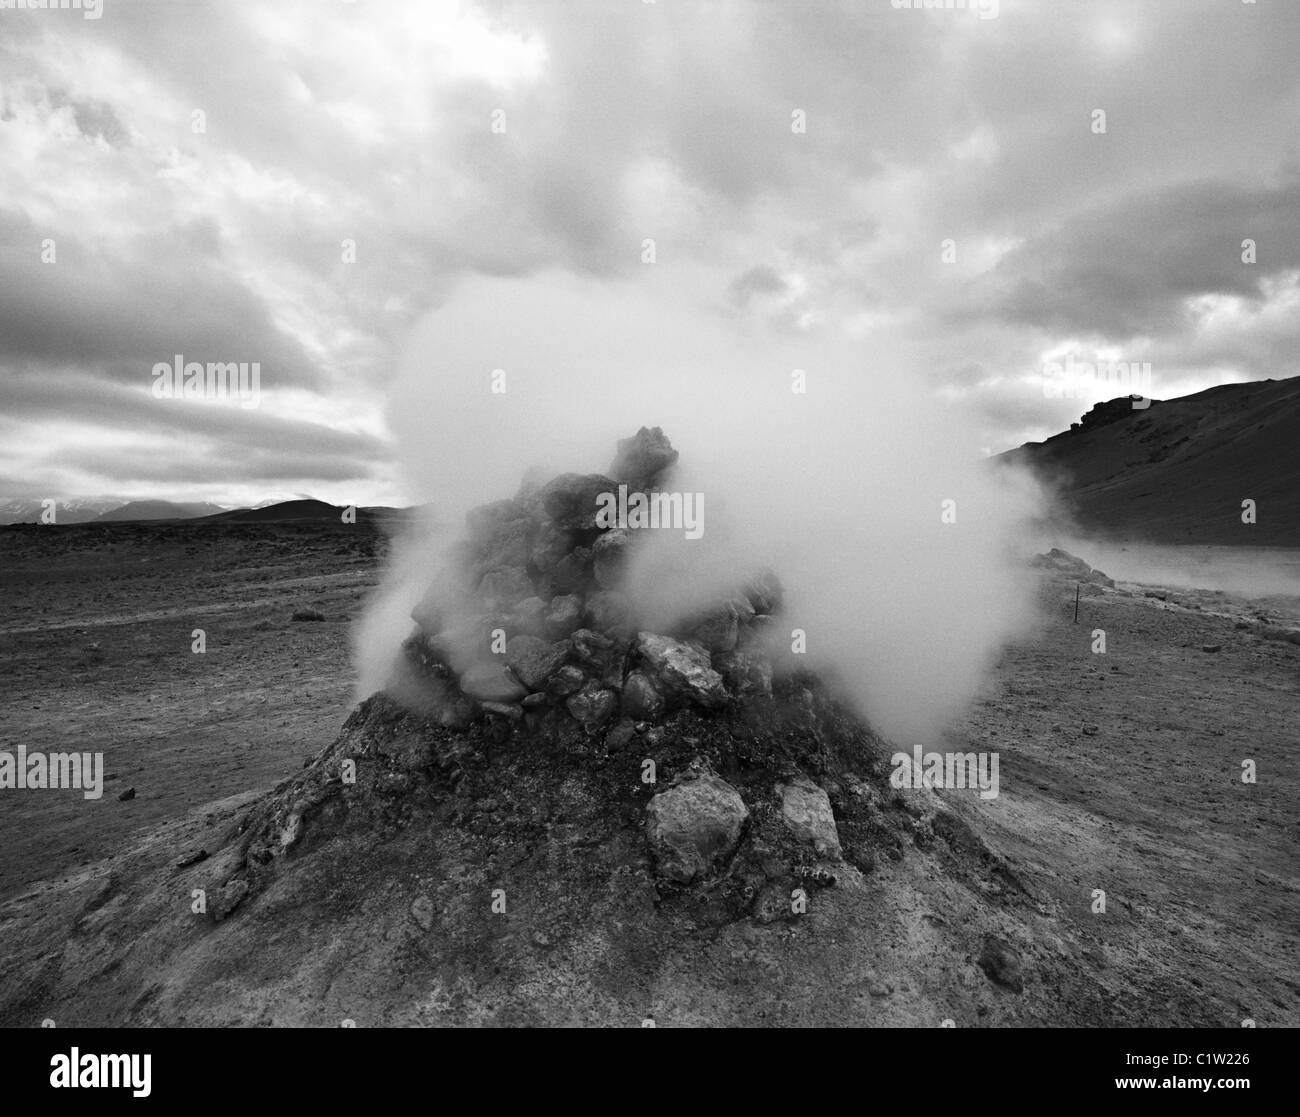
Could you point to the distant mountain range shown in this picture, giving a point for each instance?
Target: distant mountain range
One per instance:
(160, 510)
(1179, 470)
(100, 511)
(66, 511)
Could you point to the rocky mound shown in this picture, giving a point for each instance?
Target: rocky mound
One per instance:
(533, 627)
(1057, 561)
(556, 815)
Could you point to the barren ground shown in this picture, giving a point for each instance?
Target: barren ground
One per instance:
(95, 656)
(1119, 771)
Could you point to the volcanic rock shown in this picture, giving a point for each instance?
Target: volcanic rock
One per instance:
(1062, 562)
(549, 546)
(601, 655)
(564, 617)
(534, 660)
(806, 809)
(1001, 962)
(572, 573)
(422, 911)
(621, 735)
(745, 671)
(567, 680)
(593, 705)
(509, 545)
(642, 458)
(681, 670)
(693, 826)
(508, 710)
(717, 630)
(641, 700)
(609, 555)
(458, 714)
(571, 499)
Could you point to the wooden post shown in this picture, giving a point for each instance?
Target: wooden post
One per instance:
(1077, 587)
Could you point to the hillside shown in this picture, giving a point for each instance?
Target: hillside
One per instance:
(1178, 471)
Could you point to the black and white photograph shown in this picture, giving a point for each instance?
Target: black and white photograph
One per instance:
(730, 514)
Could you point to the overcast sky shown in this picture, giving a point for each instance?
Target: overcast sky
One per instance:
(220, 236)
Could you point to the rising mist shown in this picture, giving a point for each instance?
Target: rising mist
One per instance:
(840, 489)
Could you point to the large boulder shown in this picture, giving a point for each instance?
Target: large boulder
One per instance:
(681, 670)
(694, 826)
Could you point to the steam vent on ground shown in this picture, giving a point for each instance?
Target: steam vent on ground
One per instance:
(556, 814)
(534, 632)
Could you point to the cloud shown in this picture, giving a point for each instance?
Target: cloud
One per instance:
(329, 130)
(1131, 268)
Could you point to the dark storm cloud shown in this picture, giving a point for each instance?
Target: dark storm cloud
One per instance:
(1130, 267)
(160, 294)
